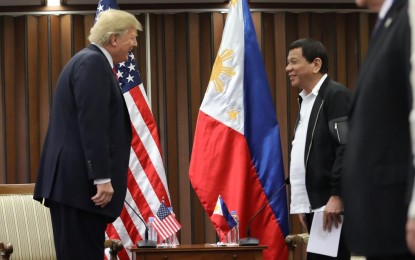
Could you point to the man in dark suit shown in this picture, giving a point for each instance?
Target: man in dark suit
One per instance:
(410, 224)
(83, 169)
(318, 145)
(378, 161)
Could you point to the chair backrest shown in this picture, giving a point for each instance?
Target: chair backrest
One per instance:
(25, 223)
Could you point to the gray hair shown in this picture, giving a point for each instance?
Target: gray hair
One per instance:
(112, 22)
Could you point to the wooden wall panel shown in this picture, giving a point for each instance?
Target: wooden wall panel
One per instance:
(140, 51)
(292, 34)
(160, 81)
(66, 36)
(87, 25)
(363, 36)
(78, 33)
(155, 52)
(352, 49)
(9, 91)
(315, 21)
(170, 106)
(184, 134)
(20, 74)
(32, 113)
(55, 58)
(280, 85)
(341, 49)
(183, 48)
(44, 78)
(268, 50)
(196, 88)
(195, 85)
(303, 31)
(218, 24)
(328, 38)
(257, 20)
(2, 106)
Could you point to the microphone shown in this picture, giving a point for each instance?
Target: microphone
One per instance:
(145, 243)
(251, 241)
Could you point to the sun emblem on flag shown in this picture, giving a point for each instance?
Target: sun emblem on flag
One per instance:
(219, 70)
(234, 2)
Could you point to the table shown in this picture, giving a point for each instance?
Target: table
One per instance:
(199, 252)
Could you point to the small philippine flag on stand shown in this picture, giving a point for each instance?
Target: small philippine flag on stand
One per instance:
(221, 218)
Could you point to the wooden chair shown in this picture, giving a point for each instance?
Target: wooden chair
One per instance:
(26, 227)
(296, 240)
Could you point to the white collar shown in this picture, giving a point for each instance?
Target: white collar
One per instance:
(385, 8)
(316, 89)
(106, 53)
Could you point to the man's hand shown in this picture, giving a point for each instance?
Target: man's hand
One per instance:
(410, 234)
(104, 194)
(332, 213)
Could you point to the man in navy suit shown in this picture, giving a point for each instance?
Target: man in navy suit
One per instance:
(378, 160)
(82, 175)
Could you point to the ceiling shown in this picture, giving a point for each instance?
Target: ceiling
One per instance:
(90, 2)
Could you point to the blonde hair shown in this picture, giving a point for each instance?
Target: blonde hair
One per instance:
(112, 22)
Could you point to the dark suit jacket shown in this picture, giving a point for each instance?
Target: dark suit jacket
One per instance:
(323, 152)
(89, 136)
(378, 154)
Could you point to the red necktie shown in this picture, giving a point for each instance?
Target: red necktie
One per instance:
(115, 72)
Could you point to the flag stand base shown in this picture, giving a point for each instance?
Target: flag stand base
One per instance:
(147, 244)
(249, 241)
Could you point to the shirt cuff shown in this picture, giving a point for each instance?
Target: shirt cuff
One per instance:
(101, 181)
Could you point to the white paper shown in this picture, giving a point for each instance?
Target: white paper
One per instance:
(323, 242)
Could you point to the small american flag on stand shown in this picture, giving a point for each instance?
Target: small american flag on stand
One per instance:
(165, 223)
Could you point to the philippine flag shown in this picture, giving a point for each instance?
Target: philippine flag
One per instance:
(221, 217)
(237, 149)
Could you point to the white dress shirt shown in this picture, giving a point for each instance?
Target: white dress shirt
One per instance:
(299, 198)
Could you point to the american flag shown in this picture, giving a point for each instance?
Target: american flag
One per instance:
(147, 183)
(165, 223)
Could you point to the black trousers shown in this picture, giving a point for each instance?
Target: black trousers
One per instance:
(77, 234)
(343, 253)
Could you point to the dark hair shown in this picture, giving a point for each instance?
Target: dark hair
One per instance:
(312, 49)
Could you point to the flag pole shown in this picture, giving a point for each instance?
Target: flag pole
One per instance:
(148, 59)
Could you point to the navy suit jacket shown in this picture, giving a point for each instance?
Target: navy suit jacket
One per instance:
(378, 154)
(88, 138)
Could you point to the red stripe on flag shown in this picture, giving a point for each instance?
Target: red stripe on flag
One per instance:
(173, 223)
(129, 225)
(145, 111)
(147, 164)
(161, 228)
(161, 232)
(138, 197)
(122, 254)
